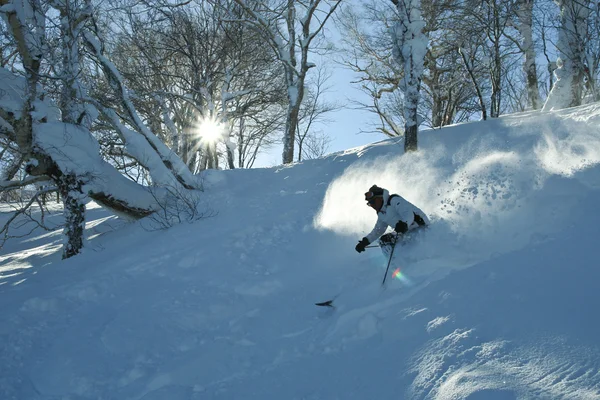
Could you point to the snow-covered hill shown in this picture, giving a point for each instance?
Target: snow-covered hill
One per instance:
(497, 300)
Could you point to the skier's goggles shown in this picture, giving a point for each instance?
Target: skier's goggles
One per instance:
(370, 197)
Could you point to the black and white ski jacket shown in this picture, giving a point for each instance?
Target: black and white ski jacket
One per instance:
(399, 209)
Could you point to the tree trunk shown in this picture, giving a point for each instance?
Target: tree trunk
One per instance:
(496, 83)
(437, 102)
(409, 51)
(73, 112)
(74, 210)
(295, 95)
(525, 14)
(567, 90)
(230, 158)
(410, 138)
(533, 93)
(450, 109)
(475, 84)
(496, 70)
(300, 143)
(411, 111)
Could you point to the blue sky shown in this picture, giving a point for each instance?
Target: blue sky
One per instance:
(345, 125)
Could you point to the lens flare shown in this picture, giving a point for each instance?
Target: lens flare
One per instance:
(209, 130)
(397, 274)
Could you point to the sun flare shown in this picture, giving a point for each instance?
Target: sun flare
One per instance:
(209, 130)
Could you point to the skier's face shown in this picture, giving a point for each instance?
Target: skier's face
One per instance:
(376, 203)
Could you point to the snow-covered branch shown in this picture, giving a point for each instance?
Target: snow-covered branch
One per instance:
(165, 156)
(10, 185)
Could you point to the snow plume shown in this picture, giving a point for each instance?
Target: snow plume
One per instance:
(470, 191)
(344, 208)
(494, 194)
(484, 193)
(484, 198)
(565, 154)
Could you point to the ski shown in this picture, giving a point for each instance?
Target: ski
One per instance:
(328, 303)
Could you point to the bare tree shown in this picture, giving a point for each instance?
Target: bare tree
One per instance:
(469, 57)
(444, 89)
(444, 96)
(291, 37)
(367, 48)
(314, 111)
(191, 66)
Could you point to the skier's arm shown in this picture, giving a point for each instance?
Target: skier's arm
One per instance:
(404, 210)
(377, 231)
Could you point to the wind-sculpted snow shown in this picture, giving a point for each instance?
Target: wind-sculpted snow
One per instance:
(464, 368)
(497, 299)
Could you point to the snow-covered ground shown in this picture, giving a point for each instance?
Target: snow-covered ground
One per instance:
(499, 299)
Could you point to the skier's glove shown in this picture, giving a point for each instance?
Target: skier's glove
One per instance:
(401, 227)
(360, 247)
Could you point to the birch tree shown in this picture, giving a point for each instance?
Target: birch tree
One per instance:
(409, 48)
(58, 147)
(568, 86)
(290, 29)
(524, 25)
(593, 53)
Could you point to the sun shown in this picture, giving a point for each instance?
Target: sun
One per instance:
(209, 130)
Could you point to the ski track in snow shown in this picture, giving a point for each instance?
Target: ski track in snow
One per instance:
(497, 300)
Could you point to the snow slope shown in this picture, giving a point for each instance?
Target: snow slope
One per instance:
(497, 300)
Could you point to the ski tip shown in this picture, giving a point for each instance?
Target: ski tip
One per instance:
(327, 303)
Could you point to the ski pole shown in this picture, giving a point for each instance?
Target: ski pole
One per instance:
(389, 262)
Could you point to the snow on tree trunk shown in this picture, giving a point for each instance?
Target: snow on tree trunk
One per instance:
(70, 189)
(524, 26)
(60, 146)
(295, 95)
(295, 85)
(409, 49)
(568, 86)
(73, 112)
(72, 20)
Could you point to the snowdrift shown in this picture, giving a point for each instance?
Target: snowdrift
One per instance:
(497, 300)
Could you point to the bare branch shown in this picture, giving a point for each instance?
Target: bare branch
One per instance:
(21, 211)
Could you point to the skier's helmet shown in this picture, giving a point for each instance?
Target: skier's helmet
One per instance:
(373, 193)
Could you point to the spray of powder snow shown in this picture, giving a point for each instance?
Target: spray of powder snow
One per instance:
(344, 208)
(568, 154)
(483, 197)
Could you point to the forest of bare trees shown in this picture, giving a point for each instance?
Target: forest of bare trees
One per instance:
(125, 102)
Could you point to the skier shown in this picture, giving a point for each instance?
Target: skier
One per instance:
(393, 211)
